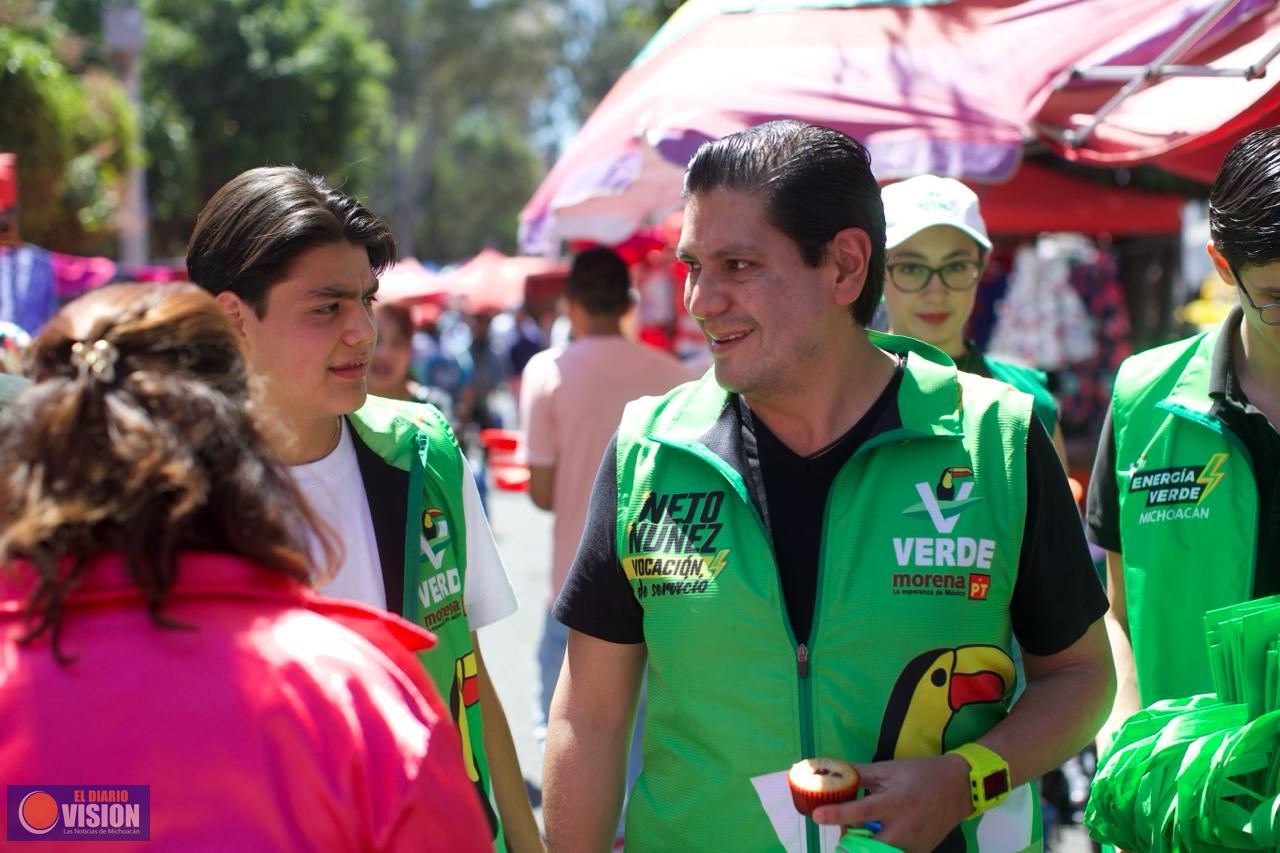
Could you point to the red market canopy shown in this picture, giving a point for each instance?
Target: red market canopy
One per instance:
(410, 282)
(1043, 199)
(492, 282)
(1178, 105)
(953, 88)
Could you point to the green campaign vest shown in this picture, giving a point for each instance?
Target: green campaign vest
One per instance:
(1028, 380)
(1188, 513)
(416, 438)
(911, 646)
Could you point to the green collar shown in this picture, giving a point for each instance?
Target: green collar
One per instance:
(1191, 390)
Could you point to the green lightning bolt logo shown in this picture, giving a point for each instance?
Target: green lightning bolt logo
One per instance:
(1212, 474)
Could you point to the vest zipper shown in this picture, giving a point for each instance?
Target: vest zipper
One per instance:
(812, 839)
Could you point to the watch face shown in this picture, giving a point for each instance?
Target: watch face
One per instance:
(995, 784)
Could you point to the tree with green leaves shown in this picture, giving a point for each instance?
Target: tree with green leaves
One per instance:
(74, 136)
(233, 84)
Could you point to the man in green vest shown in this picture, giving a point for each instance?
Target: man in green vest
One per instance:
(295, 264)
(826, 547)
(1183, 494)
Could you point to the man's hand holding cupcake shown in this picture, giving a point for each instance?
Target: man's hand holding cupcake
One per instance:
(916, 801)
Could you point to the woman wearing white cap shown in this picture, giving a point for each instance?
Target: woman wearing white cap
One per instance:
(937, 247)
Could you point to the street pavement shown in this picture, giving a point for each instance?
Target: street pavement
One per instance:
(510, 647)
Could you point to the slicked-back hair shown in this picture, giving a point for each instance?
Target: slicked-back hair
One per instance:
(600, 283)
(258, 223)
(814, 182)
(1244, 205)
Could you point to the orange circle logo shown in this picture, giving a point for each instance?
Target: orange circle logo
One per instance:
(38, 812)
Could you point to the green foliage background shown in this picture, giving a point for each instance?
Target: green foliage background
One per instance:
(442, 114)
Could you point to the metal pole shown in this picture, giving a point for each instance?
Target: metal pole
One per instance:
(1127, 72)
(1170, 53)
(123, 33)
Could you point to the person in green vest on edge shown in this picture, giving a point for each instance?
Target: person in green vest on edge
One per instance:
(1183, 494)
(826, 547)
(937, 247)
(295, 265)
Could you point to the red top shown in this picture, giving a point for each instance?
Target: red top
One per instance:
(275, 719)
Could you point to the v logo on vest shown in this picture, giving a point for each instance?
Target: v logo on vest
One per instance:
(944, 503)
(435, 534)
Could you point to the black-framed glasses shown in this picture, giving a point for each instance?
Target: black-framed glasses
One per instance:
(1268, 313)
(912, 276)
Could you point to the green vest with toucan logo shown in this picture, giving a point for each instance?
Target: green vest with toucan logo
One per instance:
(415, 437)
(1031, 381)
(1188, 513)
(911, 647)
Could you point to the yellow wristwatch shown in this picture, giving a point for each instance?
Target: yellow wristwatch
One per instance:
(989, 781)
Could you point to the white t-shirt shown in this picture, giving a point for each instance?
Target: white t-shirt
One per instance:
(570, 403)
(336, 491)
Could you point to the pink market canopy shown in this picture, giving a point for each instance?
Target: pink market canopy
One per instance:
(492, 282)
(410, 282)
(953, 88)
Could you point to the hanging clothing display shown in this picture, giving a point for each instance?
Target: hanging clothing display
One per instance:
(28, 296)
(1042, 321)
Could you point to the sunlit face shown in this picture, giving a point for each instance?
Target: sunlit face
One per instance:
(1256, 288)
(314, 344)
(1260, 284)
(937, 314)
(767, 316)
(390, 367)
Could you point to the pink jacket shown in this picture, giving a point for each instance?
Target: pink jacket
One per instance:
(274, 720)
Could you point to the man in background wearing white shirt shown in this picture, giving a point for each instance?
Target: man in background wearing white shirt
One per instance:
(295, 263)
(570, 405)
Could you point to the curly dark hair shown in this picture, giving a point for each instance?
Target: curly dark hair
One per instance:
(150, 454)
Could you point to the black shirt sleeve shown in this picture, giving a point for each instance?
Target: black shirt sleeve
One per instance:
(1102, 511)
(596, 598)
(1058, 594)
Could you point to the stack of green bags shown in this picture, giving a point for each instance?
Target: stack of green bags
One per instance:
(1203, 773)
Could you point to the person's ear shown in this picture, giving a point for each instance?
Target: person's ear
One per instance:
(236, 309)
(850, 251)
(1220, 264)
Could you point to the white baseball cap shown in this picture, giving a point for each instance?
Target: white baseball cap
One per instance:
(918, 203)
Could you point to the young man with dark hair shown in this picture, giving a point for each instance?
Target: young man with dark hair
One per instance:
(826, 547)
(1184, 489)
(295, 265)
(570, 403)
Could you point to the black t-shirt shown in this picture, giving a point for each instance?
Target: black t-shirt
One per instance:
(796, 488)
(1056, 597)
(1247, 423)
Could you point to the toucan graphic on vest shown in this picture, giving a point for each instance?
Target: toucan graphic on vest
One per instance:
(931, 689)
(464, 693)
(946, 488)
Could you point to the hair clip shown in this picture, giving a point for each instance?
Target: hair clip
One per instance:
(99, 359)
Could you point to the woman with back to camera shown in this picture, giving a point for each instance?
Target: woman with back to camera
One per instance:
(156, 623)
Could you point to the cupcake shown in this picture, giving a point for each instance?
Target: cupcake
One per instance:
(820, 781)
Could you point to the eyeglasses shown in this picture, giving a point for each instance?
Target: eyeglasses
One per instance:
(912, 277)
(1268, 313)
